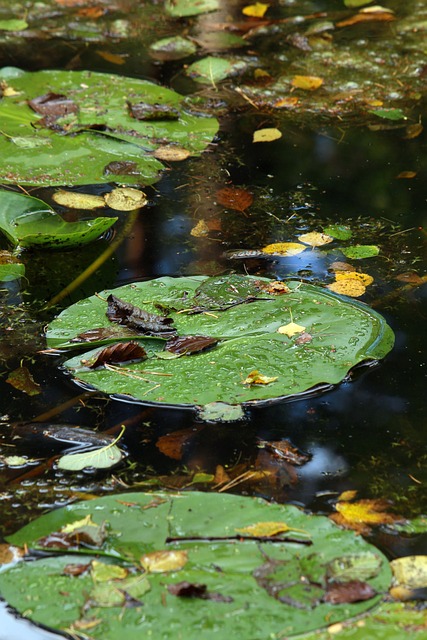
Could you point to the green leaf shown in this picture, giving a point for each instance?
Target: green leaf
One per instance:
(356, 3)
(245, 318)
(211, 70)
(97, 458)
(174, 48)
(29, 222)
(183, 8)
(338, 231)
(242, 573)
(13, 25)
(101, 141)
(360, 251)
(11, 271)
(389, 114)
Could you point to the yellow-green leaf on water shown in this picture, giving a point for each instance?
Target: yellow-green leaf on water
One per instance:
(360, 251)
(284, 248)
(267, 529)
(315, 238)
(410, 571)
(125, 199)
(266, 135)
(102, 572)
(98, 459)
(291, 329)
(307, 83)
(77, 200)
(164, 561)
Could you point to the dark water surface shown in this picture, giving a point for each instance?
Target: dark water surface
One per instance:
(367, 434)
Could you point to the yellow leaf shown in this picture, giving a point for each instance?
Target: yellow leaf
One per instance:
(200, 230)
(410, 571)
(291, 329)
(171, 153)
(78, 524)
(364, 278)
(102, 572)
(255, 377)
(286, 103)
(349, 287)
(261, 73)
(366, 511)
(164, 561)
(406, 174)
(315, 238)
(345, 496)
(266, 135)
(308, 83)
(76, 200)
(266, 529)
(284, 248)
(256, 10)
(125, 199)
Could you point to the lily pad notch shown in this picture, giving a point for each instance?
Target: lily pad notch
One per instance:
(250, 340)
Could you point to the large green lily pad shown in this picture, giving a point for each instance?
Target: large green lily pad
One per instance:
(296, 340)
(253, 569)
(103, 136)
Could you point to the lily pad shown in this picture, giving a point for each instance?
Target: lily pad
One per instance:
(360, 251)
(84, 127)
(205, 569)
(246, 320)
(184, 8)
(29, 222)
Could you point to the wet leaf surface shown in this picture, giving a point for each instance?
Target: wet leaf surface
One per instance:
(136, 318)
(117, 353)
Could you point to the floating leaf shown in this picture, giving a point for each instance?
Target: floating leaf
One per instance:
(211, 69)
(338, 231)
(83, 532)
(284, 248)
(283, 450)
(348, 287)
(266, 135)
(406, 175)
(308, 83)
(164, 561)
(413, 131)
(102, 572)
(184, 8)
(365, 512)
(290, 329)
(22, 380)
(14, 24)
(77, 200)
(221, 412)
(103, 458)
(255, 377)
(173, 48)
(15, 461)
(360, 251)
(135, 318)
(186, 345)
(10, 267)
(377, 14)
(125, 199)
(364, 278)
(200, 230)
(256, 10)
(30, 222)
(234, 198)
(410, 571)
(315, 239)
(389, 114)
(356, 3)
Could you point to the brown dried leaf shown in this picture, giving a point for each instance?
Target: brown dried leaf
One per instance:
(186, 589)
(221, 476)
(22, 380)
(186, 345)
(114, 58)
(146, 323)
(104, 333)
(172, 444)
(75, 569)
(406, 175)
(8, 553)
(347, 592)
(378, 16)
(117, 353)
(411, 277)
(274, 287)
(53, 105)
(284, 450)
(234, 198)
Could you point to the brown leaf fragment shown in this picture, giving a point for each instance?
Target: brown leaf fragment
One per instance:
(149, 324)
(347, 592)
(221, 475)
(234, 198)
(81, 533)
(413, 131)
(274, 287)
(54, 105)
(304, 338)
(190, 344)
(172, 444)
(117, 353)
(146, 111)
(75, 569)
(22, 380)
(283, 449)
(411, 277)
(9, 554)
(8, 258)
(379, 16)
(103, 333)
(121, 168)
(406, 175)
(186, 589)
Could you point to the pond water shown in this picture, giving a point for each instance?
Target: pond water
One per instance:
(368, 434)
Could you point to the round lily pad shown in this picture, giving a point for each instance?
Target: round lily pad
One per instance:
(91, 127)
(210, 564)
(270, 342)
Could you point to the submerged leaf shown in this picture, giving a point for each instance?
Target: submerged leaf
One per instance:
(234, 198)
(22, 380)
(308, 83)
(266, 135)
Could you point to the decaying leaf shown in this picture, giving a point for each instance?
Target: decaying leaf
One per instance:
(284, 450)
(360, 251)
(286, 103)
(187, 589)
(347, 287)
(80, 533)
(406, 175)
(125, 199)
(284, 248)
(9, 553)
(171, 153)
(255, 377)
(359, 515)
(104, 333)
(364, 278)
(267, 529)
(52, 106)
(146, 323)
(172, 444)
(164, 561)
(22, 380)
(352, 591)
(308, 83)
(413, 131)
(200, 230)
(117, 353)
(267, 135)
(290, 329)
(147, 111)
(234, 198)
(186, 345)
(77, 200)
(315, 238)
(275, 287)
(410, 571)
(102, 572)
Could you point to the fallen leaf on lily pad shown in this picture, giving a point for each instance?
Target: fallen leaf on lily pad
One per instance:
(352, 591)
(284, 248)
(308, 83)
(164, 561)
(267, 529)
(291, 329)
(117, 353)
(171, 153)
(255, 377)
(102, 572)
(267, 135)
(315, 238)
(256, 10)
(80, 533)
